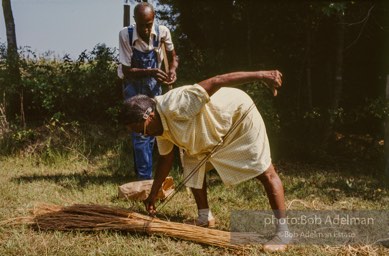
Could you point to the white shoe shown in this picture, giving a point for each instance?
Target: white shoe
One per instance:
(278, 243)
(201, 223)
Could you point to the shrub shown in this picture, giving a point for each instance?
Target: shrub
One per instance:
(82, 89)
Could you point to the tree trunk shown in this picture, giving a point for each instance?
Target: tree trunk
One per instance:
(12, 56)
(338, 85)
(10, 27)
(386, 141)
(249, 32)
(337, 80)
(308, 71)
(126, 13)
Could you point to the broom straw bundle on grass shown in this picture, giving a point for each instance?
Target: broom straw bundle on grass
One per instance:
(96, 217)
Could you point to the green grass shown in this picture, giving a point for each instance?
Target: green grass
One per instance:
(28, 180)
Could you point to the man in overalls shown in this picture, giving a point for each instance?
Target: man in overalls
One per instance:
(141, 55)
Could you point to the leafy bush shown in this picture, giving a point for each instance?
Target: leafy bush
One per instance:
(87, 90)
(84, 89)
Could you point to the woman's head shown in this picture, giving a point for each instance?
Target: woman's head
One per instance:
(137, 109)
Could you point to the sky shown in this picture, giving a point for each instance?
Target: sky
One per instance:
(65, 26)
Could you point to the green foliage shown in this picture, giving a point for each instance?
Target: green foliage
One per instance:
(334, 8)
(84, 89)
(300, 39)
(22, 137)
(46, 142)
(265, 103)
(376, 108)
(3, 55)
(58, 140)
(213, 37)
(358, 133)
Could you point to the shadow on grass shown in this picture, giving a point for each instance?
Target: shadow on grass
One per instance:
(337, 181)
(78, 180)
(367, 190)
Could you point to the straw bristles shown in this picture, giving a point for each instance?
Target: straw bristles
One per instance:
(97, 217)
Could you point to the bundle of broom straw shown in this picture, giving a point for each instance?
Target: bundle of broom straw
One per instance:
(96, 217)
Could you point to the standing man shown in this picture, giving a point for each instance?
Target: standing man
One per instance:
(198, 118)
(140, 55)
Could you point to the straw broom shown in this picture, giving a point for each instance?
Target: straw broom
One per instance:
(96, 217)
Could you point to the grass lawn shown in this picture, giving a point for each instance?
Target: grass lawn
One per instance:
(28, 180)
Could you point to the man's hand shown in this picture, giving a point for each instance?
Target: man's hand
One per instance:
(162, 77)
(272, 79)
(150, 206)
(159, 75)
(172, 77)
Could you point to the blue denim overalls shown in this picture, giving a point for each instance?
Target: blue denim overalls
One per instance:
(143, 145)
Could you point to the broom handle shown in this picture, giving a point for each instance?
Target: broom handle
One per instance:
(166, 63)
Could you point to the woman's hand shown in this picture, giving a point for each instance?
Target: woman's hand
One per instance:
(150, 206)
(272, 79)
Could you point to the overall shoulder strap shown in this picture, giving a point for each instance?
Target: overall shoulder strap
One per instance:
(130, 31)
